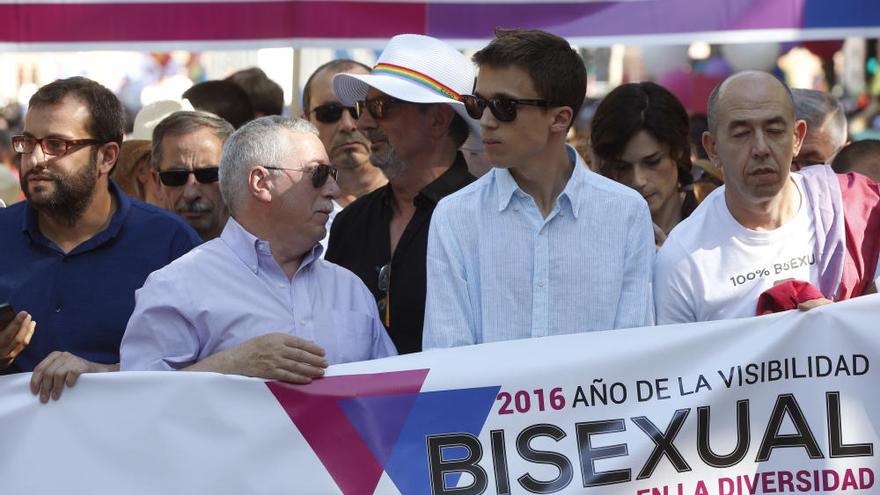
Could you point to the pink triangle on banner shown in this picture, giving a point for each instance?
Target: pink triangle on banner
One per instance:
(316, 411)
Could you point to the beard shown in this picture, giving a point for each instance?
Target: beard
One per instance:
(386, 160)
(389, 163)
(70, 196)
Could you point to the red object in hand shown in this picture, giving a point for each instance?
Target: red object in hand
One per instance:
(786, 295)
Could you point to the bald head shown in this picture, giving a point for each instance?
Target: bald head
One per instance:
(752, 82)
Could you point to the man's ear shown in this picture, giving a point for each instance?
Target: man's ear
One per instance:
(441, 116)
(260, 184)
(562, 118)
(711, 150)
(108, 154)
(800, 132)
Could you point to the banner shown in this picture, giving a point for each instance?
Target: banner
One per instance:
(201, 24)
(785, 403)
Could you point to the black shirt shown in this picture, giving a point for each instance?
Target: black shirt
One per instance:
(360, 241)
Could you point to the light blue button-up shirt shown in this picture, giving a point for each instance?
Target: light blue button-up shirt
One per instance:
(230, 290)
(499, 270)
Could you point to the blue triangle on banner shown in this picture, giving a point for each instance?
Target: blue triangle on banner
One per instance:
(379, 420)
(436, 413)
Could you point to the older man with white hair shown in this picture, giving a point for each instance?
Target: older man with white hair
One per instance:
(258, 300)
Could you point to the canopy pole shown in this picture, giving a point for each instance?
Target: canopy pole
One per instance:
(295, 109)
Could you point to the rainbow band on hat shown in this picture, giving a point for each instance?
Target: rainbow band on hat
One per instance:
(422, 79)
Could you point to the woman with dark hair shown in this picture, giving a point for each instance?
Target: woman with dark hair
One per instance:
(639, 137)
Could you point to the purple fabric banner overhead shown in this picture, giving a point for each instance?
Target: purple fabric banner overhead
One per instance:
(146, 24)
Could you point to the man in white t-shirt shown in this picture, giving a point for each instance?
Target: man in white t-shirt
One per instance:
(761, 227)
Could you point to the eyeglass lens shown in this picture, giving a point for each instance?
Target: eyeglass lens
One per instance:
(50, 146)
(330, 113)
(175, 178)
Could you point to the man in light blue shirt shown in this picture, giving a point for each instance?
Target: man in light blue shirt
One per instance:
(540, 245)
(258, 300)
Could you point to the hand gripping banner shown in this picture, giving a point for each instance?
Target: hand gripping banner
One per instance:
(786, 403)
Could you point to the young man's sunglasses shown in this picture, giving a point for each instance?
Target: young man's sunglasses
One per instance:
(319, 173)
(177, 178)
(502, 107)
(330, 113)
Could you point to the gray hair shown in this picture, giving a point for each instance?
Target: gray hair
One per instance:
(254, 144)
(819, 108)
(184, 122)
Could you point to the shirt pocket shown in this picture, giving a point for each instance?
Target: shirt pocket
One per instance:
(352, 336)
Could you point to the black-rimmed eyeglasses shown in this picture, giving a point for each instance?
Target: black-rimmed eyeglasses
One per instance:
(330, 113)
(502, 107)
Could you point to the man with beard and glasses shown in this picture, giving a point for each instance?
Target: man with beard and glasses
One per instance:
(348, 148)
(411, 111)
(186, 155)
(77, 249)
(259, 301)
(767, 234)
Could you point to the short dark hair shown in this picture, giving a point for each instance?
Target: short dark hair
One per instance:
(557, 71)
(643, 106)
(266, 95)
(338, 65)
(863, 154)
(107, 117)
(222, 98)
(180, 123)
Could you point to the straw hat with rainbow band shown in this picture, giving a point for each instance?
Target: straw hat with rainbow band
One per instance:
(418, 69)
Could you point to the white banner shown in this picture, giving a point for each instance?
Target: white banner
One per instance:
(781, 404)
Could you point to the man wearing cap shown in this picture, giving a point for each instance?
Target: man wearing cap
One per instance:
(540, 245)
(186, 155)
(410, 109)
(259, 301)
(75, 252)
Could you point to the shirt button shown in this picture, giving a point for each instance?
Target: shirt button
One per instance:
(280, 286)
(303, 322)
(57, 309)
(540, 284)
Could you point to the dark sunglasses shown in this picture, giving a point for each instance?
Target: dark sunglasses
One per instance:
(319, 173)
(330, 113)
(377, 106)
(502, 107)
(176, 178)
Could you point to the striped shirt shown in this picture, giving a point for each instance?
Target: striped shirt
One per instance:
(498, 270)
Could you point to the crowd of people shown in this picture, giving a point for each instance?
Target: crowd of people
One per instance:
(430, 201)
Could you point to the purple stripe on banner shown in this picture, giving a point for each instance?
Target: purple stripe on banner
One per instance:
(475, 21)
(195, 21)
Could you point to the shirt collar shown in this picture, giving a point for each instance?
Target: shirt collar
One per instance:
(453, 179)
(506, 185)
(248, 247)
(31, 224)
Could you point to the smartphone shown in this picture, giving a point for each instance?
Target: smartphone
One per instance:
(7, 314)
